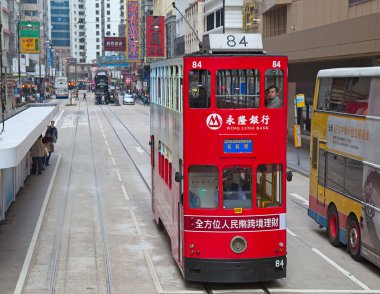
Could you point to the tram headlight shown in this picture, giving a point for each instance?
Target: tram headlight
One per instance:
(238, 244)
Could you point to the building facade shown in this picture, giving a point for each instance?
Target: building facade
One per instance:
(316, 35)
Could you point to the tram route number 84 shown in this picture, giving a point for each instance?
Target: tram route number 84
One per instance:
(279, 263)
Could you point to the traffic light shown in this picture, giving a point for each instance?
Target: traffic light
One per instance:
(71, 85)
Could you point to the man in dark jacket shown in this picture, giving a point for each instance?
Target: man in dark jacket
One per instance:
(52, 131)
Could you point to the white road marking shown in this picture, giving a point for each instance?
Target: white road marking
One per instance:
(135, 222)
(291, 233)
(139, 149)
(153, 272)
(109, 151)
(125, 193)
(106, 142)
(118, 175)
(343, 271)
(58, 118)
(32, 245)
(104, 136)
(295, 195)
(113, 161)
(324, 291)
(239, 291)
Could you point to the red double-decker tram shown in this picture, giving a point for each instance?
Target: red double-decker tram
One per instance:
(218, 149)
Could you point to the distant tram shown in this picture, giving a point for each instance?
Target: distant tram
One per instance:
(218, 158)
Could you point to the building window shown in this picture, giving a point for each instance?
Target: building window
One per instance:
(210, 22)
(275, 22)
(219, 18)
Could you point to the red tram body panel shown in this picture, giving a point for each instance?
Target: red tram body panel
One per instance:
(219, 164)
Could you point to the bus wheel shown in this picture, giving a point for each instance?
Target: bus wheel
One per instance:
(354, 239)
(333, 226)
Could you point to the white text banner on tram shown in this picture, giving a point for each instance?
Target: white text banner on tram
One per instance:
(347, 135)
(243, 223)
(231, 42)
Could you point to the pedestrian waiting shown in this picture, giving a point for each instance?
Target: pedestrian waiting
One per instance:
(49, 146)
(38, 155)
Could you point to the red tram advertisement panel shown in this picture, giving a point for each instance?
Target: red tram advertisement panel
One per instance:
(218, 147)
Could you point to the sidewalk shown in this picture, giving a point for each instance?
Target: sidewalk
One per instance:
(298, 159)
(17, 231)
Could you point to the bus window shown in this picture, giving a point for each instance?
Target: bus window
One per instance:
(274, 88)
(237, 88)
(335, 172)
(269, 185)
(199, 89)
(203, 183)
(347, 95)
(237, 187)
(353, 178)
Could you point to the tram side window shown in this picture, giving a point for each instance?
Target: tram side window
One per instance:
(347, 95)
(274, 88)
(203, 183)
(237, 187)
(269, 185)
(199, 89)
(237, 88)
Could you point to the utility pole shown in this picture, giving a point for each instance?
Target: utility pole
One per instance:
(2, 100)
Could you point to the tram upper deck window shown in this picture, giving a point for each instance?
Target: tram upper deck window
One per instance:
(269, 185)
(346, 95)
(203, 182)
(274, 88)
(237, 187)
(199, 88)
(237, 88)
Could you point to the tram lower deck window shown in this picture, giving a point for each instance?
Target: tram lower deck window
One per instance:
(203, 183)
(269, 185)
(237, 187)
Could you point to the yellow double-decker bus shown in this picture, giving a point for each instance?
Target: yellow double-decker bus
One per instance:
(345, 159)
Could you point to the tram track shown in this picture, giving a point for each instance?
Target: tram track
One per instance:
(97, 223)
(125, 147)
(207, 288)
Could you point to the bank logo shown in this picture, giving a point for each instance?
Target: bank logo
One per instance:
(214, 121)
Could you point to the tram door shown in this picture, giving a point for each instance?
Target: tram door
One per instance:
(180, 215)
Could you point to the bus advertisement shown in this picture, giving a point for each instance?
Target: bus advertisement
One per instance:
(61, 88)
(345, 163)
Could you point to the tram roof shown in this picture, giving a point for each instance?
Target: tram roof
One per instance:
(21, 131)
(350, 72)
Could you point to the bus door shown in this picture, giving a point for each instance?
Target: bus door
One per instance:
(321, 197)
(179, 179)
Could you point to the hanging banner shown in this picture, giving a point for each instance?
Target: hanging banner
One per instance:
(155, 36)
(29, 37)
(133, 31)
(114, 44)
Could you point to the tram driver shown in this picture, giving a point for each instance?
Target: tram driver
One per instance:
(232, 190)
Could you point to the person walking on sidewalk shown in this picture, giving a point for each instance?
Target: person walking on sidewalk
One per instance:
(84, 96)
(52, 131)
(38, 154)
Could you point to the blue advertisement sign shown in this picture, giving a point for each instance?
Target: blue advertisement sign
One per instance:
(238, 146)
(114, 60)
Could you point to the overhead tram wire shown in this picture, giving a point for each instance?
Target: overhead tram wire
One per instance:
(196, 35)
